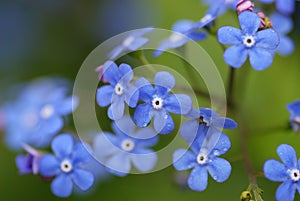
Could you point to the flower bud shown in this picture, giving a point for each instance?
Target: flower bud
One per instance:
(244, 5)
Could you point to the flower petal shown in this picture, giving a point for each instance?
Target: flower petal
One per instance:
(83, 179)
(178, 103)
(219, 169)
(81, 153)
(198, 179)
(68, 105)
(146, 137)
(249, 22)
(286, 6)
(104, 95)
(142, 115)
(220, 143)
(184, 159)
(163, 122)
(111, 72)
(105, 145)
(182, 25)
(137, 43)
(116, 110)
(267, 39)
(62, 145)
(228, 35)
(286, 46)
(119, 164)
(62, 186)
(223, 122)
(145, 88)
(275, 171)
(235, 56)
(260, 58)
(286, 191)
(163, 82)
(126, 73)
(49, 165)
(281, 23)
(122, 126)
(116, 52)
(288, 155)
(144, 162)
(132, 96)
(188, 130)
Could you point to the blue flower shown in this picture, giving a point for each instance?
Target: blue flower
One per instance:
(203, 119)
(203, 159)
(294, 110)
(159, 103)
(37, 114)
(185, 30)
(66, 166)
(287, 172)
(129, 145)
(118, 91)
(283, 6)
(29, 163)
(283, 25)
(259, 45)
(132, 42)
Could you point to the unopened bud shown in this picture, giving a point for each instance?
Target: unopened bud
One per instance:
(265, 22)
(244, 5)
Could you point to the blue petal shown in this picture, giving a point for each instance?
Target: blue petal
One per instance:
(281, 23)
(193, 114)
(62, 146)
(221, 143)
(68, 105)
(132, 96)
(104, 95)
(198, 142)
(144, 162)
(286, 46)
(105, 145)
(249, 22)
(286, 6)
(184, 159)
(116, 110)
(163, 122)
(146, 90)
(146, 137)
(174, 41)
(197, 36)
(228, 35)
(275, 171)
(219, 169)
(189, 129)
(223, 122)
(119, 164)
(116, 52)
(62, 185)
(126, 73)
(178, 103)
(163, 82)
(260, 58)
(137, 43)
(266, 1)
(286, 191)
(83, 179)
(142, 115)
(111, 72)
(198, 179)
(288, 155)
(182, 25)
(50, 127)
(267, 39)
(125, 125)
(235, 56)
(49, 165)
(81, 153)
(294, 108)
(24, 163)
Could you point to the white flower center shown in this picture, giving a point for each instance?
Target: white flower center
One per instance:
(175, 37)
(66, 166)
(295, 175)
(127, 145)
(201, 159)
(30, 119)
(119, 89)
(47, 111)
(157, 103)
(249, 41)
(127, 42)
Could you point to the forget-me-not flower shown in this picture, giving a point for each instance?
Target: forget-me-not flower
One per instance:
(158, 103)
(294, 110)
(132, 42)
(119, 90)
(284, 6)
(183, 31)
(258, 45)
(130, 145)
(37, 114)
(203, 119)
(203, 158)
(287, 172)
(283, 25)
(66, 166)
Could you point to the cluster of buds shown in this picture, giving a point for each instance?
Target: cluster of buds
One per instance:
(247, 5)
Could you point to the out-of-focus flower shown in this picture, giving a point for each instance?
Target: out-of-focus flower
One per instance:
(284, 6)
(294, 110)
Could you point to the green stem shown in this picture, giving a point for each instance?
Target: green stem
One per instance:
(230, 87)
(145, 61)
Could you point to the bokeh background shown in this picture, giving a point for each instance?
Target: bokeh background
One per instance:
(53, 37)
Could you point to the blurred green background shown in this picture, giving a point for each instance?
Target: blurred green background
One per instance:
(53, 37)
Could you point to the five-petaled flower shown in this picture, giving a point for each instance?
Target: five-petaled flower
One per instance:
(204, 158)
(259, 45)
(287, 172)
(294, 110)
(67, 166)
(118, 91)
(159, 103)
(129, 145)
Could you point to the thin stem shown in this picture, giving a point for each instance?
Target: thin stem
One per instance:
(230, 87)
(145, 61)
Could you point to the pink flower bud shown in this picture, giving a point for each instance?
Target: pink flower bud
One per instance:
(100, 71)
(244, 5)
